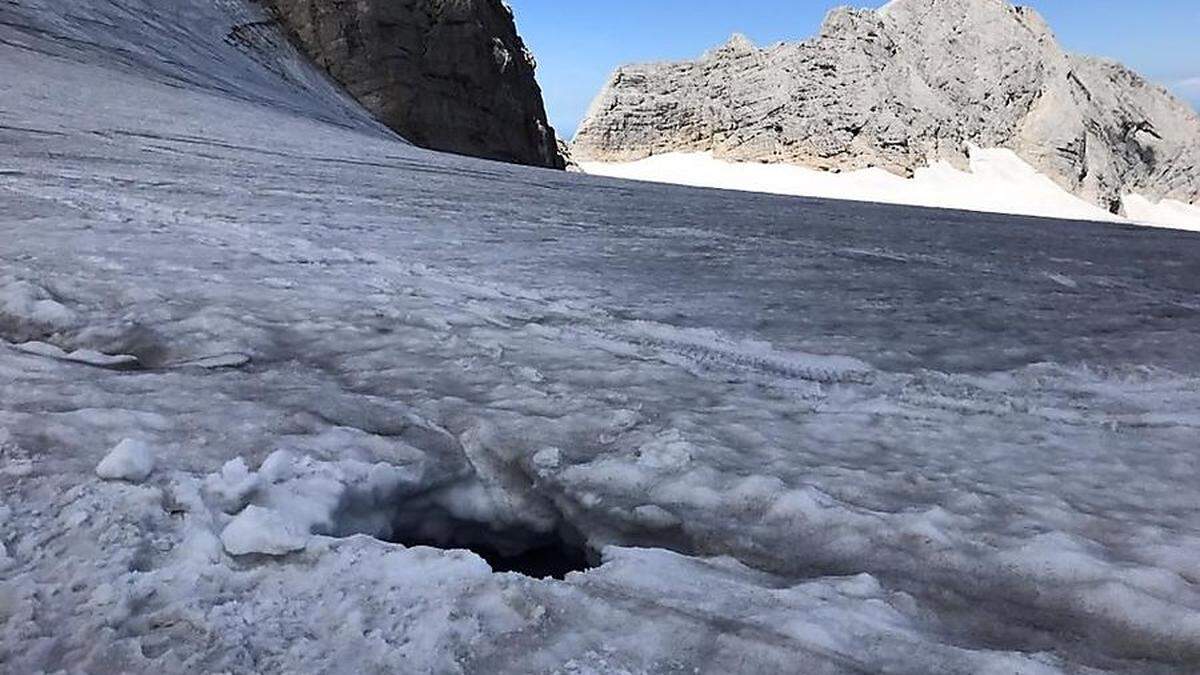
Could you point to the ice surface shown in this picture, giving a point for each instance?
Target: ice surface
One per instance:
(803, 435)
(131, 461)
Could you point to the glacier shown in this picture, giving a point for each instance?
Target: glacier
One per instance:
(367, 384)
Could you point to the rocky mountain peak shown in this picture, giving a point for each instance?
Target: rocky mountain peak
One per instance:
(904, 86)
(738, 42)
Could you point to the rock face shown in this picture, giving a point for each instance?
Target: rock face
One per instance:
(904, 86)
(449, 75)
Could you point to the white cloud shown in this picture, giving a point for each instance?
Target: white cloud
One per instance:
(1189, 87)
(1189, 90)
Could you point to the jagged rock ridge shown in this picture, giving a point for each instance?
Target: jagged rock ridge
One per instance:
(904, 86)
(450, 75)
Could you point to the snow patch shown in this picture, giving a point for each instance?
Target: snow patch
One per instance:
(131, 461)
(1167, 213)
(998, 182)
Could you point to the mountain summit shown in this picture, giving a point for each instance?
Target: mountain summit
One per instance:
(905, 86)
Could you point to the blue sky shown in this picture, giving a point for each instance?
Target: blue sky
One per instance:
(579, 43)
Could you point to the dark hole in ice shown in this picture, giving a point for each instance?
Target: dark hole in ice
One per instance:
(506, 549)
(555, 558)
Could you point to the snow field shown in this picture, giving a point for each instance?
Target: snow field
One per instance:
(998, 181)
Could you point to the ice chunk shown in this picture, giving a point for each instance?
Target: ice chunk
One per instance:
(656, 517)
(217, 362)
(278, 467)
(85, 356)
(231, 488)
(95, 358)
(668, 451)
(547, 458)
(131, 461)
(42, 349)
(264, 531)
(27, 302)
(1062, 280)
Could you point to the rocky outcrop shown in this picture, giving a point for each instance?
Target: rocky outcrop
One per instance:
(449, 75)
(901, 87)
(564, 152)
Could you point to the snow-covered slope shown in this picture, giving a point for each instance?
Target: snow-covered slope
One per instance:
(996, 181)
(1164, 213)
(229, 48)
(255, 349)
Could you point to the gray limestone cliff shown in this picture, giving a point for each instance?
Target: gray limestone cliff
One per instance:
(901, 87)
(449, 75)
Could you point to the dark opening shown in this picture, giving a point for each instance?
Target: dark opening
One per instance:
(554, 559)
(506, 549)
